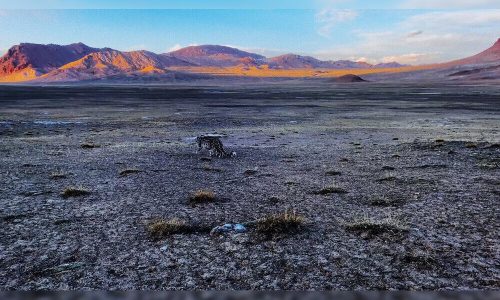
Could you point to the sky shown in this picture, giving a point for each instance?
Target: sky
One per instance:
(407, 31)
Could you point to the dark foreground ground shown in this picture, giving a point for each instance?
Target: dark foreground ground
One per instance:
(419, 166)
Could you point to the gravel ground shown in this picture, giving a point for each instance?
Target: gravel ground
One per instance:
(419, 166)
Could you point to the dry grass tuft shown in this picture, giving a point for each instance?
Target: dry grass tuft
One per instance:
(471, 145)
(128, 172)
(161, 228)
(89, 146)
(202, 196)
(286, 222)
(376, 226)
(74, 192)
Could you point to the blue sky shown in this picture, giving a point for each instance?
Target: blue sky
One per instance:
(409, 31)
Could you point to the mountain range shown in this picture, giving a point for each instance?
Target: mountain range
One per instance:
(29, 62)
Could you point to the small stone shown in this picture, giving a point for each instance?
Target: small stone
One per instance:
(239, 228)
(221, 229)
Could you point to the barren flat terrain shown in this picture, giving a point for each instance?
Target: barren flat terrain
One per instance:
(391, 187)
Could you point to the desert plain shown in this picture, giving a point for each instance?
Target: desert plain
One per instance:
(396, 186)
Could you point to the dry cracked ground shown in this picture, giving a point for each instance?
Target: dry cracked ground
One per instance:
(397, 187)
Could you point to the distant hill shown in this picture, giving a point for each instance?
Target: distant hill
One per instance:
(490, 55)
(349, 78)
(78, 62)
(27, 61)
(294, 61)
(109, 62)
(389, 65)
(214, 56)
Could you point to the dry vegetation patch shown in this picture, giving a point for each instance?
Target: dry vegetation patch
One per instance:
(161, 228)
(89, 145)
(74, 192)
(373, 226)
(202, 196)
(286, 222)
(128, 172)
(470, 145)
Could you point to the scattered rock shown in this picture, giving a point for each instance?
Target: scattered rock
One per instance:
(237, 228)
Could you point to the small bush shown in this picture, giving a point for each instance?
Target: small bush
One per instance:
(162, 228)
(74, 192)
(202, 196)
(286, 222)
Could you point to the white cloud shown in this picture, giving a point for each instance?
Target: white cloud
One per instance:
(454, 4)
(407, 59)
(179, 46)
(328, 18)
(454, 19)
(427, 37)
